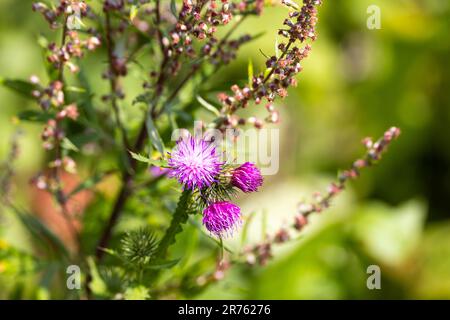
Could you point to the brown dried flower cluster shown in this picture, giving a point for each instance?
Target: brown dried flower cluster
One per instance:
(280, 73)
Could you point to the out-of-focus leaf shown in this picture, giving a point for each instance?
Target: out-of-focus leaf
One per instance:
(264, 224)
(142, 158)
(208, 106)
(21, 87)
(97, 285)
(75, 89)
(114, 254)
(390, 234)
(40, 232)
(173, 8)
(69, 145)
(154, 136)
(277, 51)
(245, 228)
(250, 72)
(34, 116)
(15, 262)
(161, 264)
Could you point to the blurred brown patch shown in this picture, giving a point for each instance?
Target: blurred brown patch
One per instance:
(46, 207)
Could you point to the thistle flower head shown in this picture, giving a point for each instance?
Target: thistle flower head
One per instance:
(194, 162)
(220, 218)
(247, 177)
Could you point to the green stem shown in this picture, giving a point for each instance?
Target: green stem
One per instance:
(179, 218)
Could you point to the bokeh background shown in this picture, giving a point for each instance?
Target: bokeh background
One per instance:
(356, 83)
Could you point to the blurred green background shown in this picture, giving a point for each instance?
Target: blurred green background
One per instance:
(357, 82)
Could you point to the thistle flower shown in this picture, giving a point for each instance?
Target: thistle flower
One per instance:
(247, 177)
(220, 218)
(194, 162)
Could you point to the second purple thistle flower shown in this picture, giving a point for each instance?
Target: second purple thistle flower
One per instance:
(195, 163)
(221, 218)
(247, 177)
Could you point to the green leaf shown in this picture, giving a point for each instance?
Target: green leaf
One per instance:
(136, 293)
(208, 106)
(75, 89)
(246, 227)
(142, 158)
(21, 87)
(113, 253)
(97, 285)
(154, 136)
(34, 116)
(162, 264)
(277, 51)
(250, 72)
(69, 145)
(264, 225)
(40, 232)
(173, 8)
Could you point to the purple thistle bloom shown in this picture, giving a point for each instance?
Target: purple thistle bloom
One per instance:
(247, 177)
(194, 163)
(220, 218)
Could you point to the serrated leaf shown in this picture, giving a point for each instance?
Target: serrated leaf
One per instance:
(179, 218)
(208, 106)
(154, 136)
(21, 87)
